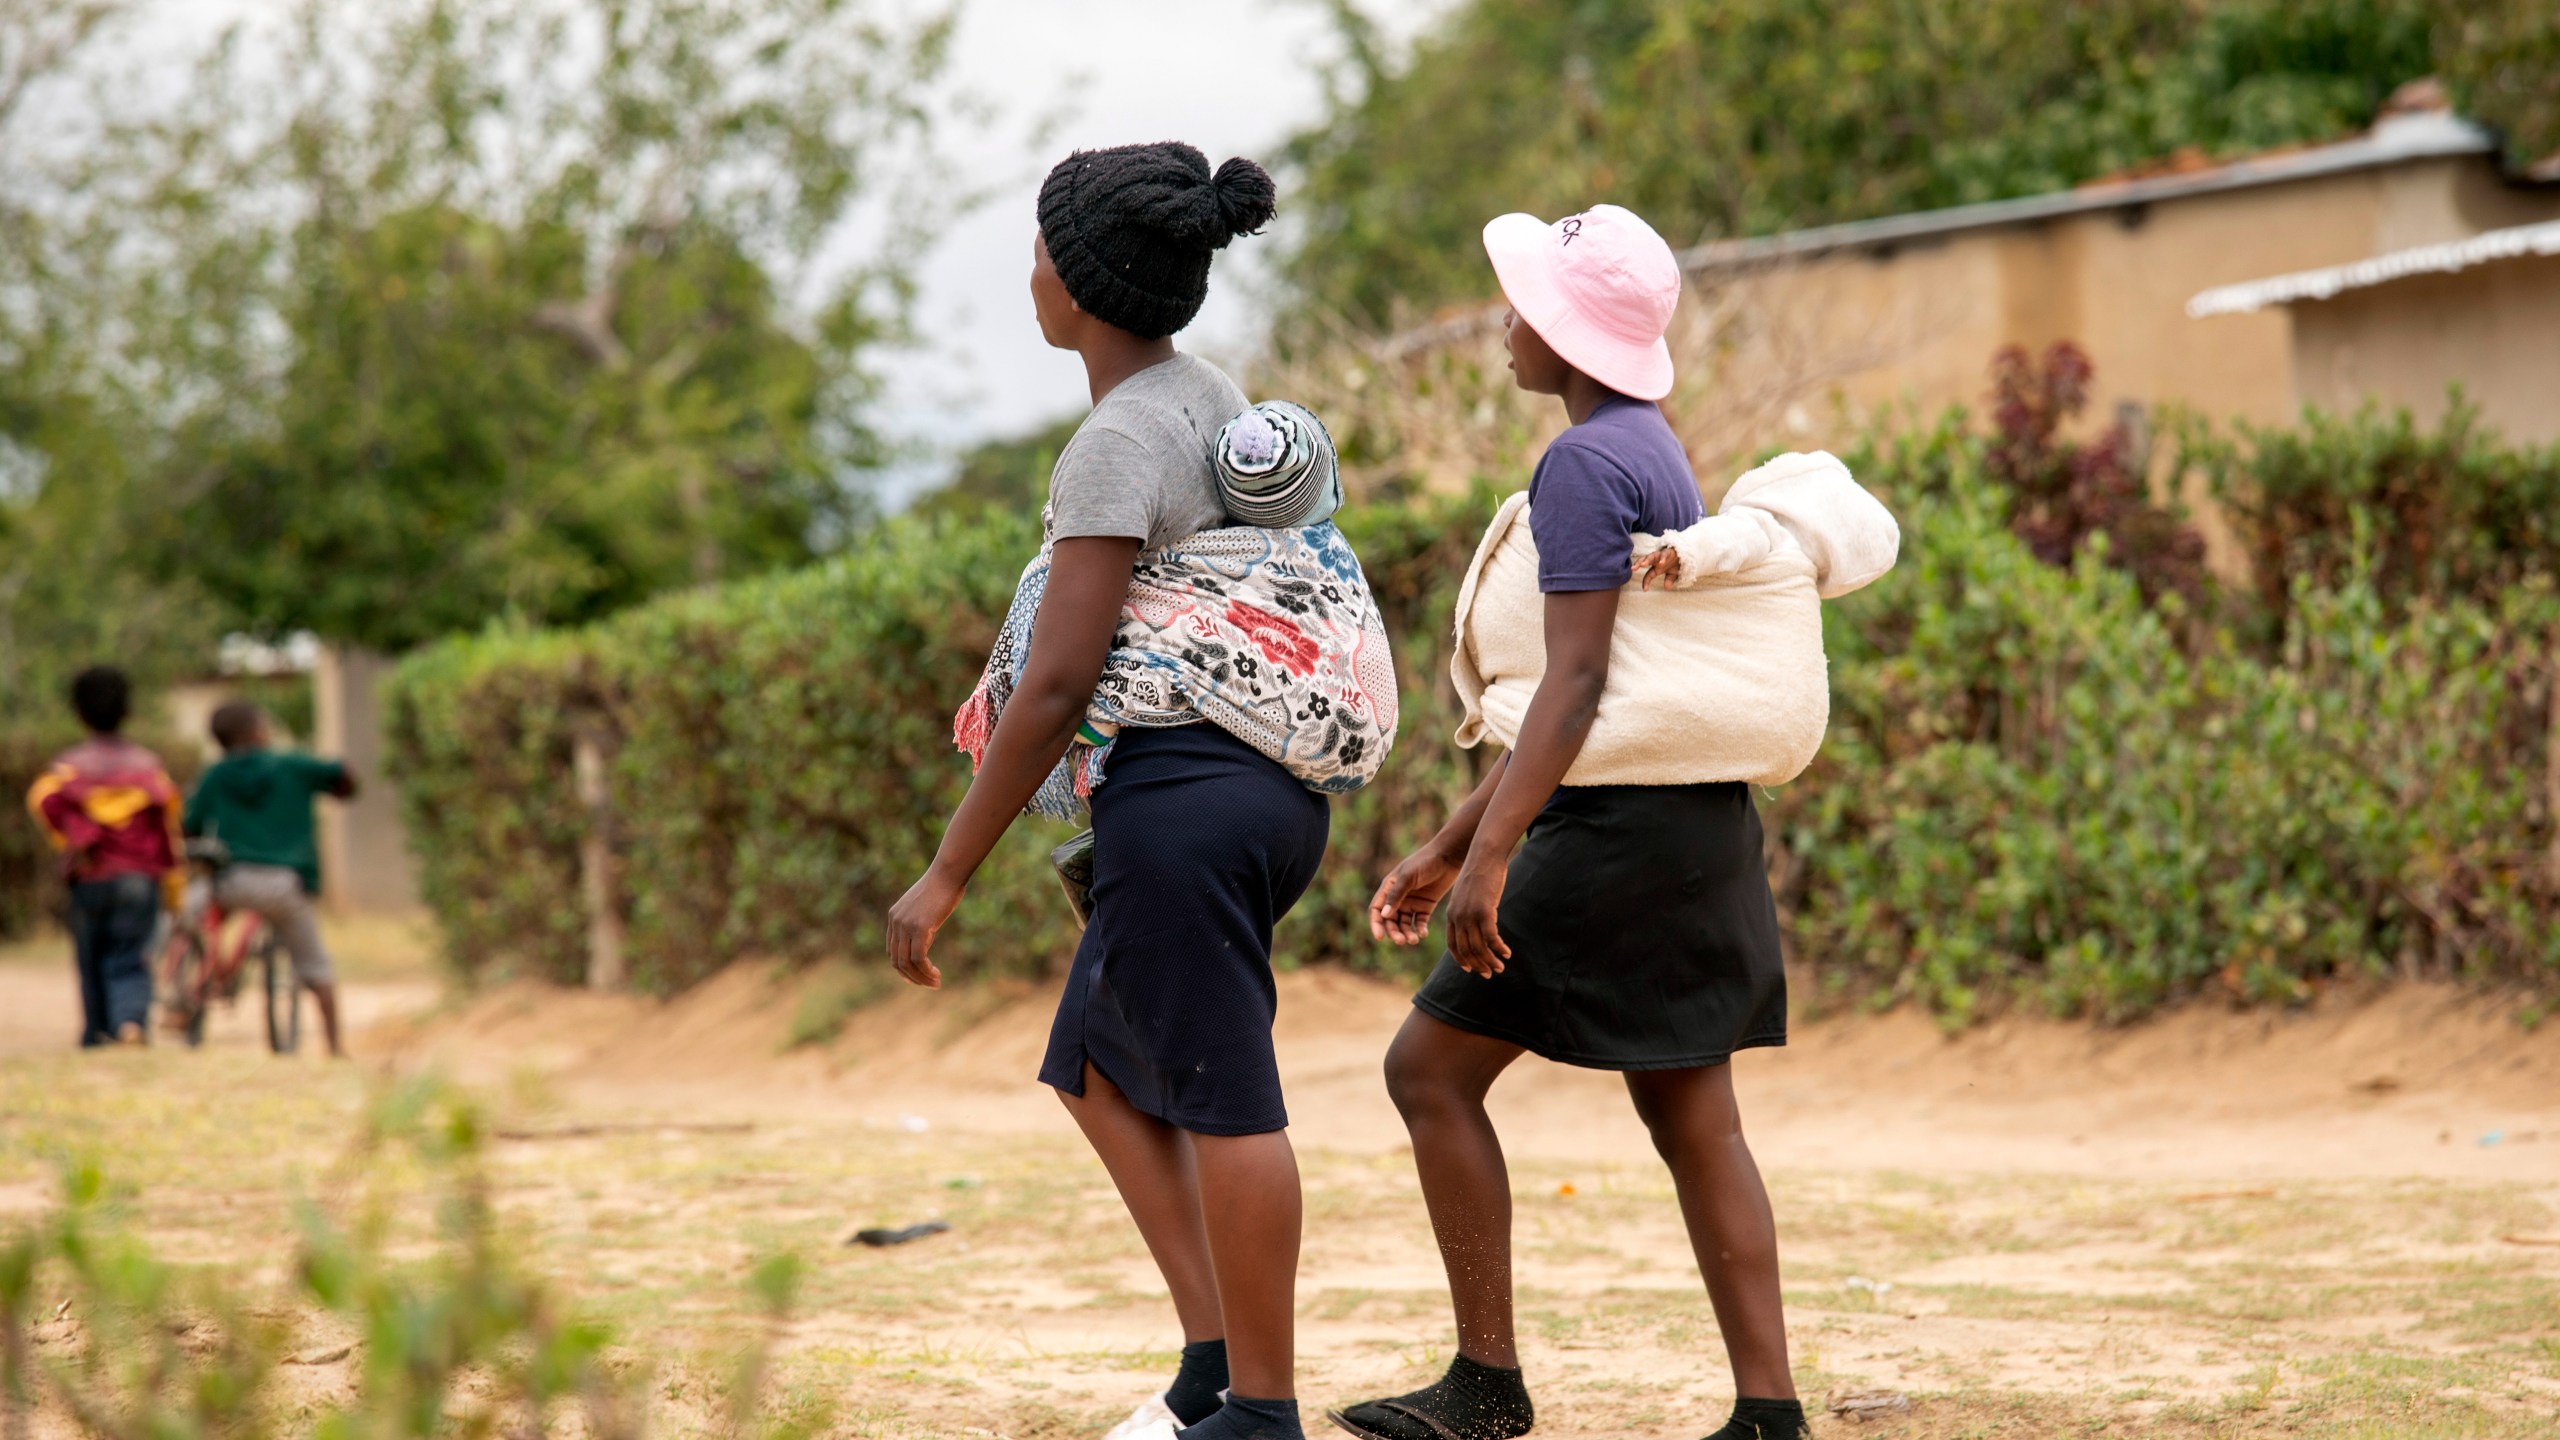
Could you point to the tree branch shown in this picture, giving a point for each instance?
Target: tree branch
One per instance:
(37, 36)
(588, 321)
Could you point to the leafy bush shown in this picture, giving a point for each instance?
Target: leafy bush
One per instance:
(2032, 786)
(2040, 783)
(2454, 511)
(456, 1337)
(2068, 494)
(479, 733)
(783, 761)
(786, 757)
(30, 873)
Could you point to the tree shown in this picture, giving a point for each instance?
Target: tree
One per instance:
(437, 310)
(436, 455)
(70, 592)
(2502, 58)
(1734, 117)
(1008, 473)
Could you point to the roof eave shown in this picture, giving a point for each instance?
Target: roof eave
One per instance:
(2397, 140)
(2450, 257)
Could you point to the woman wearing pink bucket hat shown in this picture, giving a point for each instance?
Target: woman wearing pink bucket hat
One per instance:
(1598, 288)
(1633, 930)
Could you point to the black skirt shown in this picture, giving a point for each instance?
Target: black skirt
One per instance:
(1641, 930)
(1200, 845)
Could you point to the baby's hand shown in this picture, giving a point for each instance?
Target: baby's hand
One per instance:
(1662, 564)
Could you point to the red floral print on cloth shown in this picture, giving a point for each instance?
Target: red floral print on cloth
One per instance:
(1272, 635)
(1280, 642)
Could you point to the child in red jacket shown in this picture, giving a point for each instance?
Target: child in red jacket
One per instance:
(108, 806)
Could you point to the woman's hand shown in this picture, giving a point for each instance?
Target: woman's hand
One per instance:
(1088, 578)
(1401, 910)
(916, 919)
(1475, 939)
(1579, 624)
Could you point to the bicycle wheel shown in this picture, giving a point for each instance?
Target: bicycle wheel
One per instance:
(182, 966)
(284, 993)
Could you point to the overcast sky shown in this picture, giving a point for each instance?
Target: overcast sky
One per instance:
(1234, 77)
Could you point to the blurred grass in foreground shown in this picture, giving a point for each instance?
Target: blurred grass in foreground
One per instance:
(490, 1261)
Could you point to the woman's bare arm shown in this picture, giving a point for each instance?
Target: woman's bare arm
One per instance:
(1070, 639)
(1578, 628)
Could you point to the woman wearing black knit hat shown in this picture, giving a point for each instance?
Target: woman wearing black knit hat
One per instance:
(1162, 1045)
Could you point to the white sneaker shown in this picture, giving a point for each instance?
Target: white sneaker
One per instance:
(1150, 1421)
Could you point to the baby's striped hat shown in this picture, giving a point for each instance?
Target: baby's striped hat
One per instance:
(1276, 467)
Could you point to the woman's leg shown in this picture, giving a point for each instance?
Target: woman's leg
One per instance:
(1438, 1076)
(1233, 1276)
(1153, 1166)
(1697, 1127)
(1249, 1186)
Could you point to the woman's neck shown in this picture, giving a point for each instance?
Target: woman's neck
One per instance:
(1583, 396)
(1116, 355)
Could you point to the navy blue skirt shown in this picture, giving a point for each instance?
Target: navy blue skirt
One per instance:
(1200, 845)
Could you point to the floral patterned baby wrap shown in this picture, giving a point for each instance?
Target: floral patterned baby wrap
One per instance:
(1270, 634)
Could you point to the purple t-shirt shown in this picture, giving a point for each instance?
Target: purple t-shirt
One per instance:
(1613, 477)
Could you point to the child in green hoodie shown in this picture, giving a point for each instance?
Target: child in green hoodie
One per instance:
(256, 800)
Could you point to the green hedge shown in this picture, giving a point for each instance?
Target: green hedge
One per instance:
(478, 733)
(2036, 783)
(783, 760)
(2038, 786)
(2450, 511)
(30, 871)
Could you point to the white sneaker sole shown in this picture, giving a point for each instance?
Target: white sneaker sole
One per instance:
(1150, 1421)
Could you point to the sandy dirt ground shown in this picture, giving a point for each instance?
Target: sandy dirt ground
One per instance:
(2340, 1222)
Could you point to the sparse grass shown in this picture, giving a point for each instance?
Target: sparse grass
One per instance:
(2018, 1306)
(832, 997)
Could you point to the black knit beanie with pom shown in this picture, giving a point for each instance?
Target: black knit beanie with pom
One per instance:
(1131, 229)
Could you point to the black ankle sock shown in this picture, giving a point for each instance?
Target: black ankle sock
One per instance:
(1245, 1419)
(1193, 1395)
(1764, 1420)
(1475, 1401)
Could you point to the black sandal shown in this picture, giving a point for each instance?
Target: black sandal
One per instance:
(1342, 1417)
(1473, 1401)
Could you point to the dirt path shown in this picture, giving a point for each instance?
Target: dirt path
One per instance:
(2217, 1224)
(2401, 1082)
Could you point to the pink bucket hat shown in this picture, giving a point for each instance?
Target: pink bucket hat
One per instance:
(1598, 287)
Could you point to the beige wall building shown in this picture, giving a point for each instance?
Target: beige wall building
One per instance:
(2401, 328)
(1912, 307)
(365, 863)
(1801, 338)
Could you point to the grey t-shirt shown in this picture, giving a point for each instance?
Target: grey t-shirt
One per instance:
(1139, 465)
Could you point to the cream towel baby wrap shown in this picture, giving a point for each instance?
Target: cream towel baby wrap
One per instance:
(1721, 676)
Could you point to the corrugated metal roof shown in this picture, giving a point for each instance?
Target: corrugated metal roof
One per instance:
(2398, 138)
(2444, 259)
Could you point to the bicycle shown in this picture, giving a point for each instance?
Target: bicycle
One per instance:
(197, 968)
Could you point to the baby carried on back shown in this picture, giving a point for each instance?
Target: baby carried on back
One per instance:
(1265, 628)
(1718, 676)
